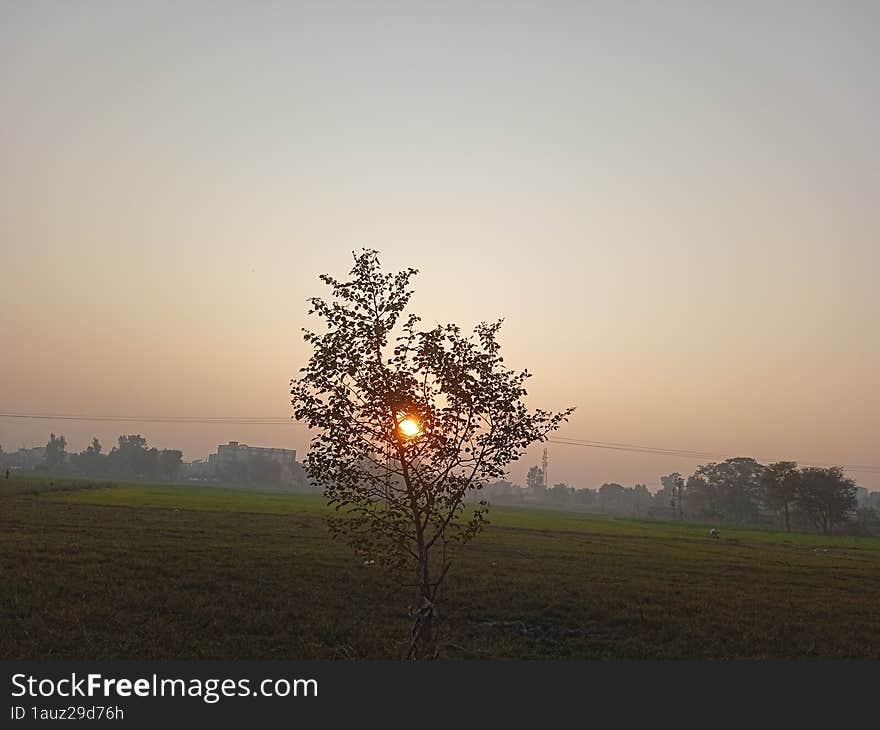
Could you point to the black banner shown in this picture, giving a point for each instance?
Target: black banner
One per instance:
(279, 693)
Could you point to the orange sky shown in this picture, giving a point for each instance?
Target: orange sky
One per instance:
(677, 214)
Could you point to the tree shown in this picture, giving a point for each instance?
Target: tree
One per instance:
(732, 489)
(55, 451)
(132, 458)
(170, 463)
(641, 499)
(673, 485)
(702, 500)
(90, 460)
(612, 497)
(826, 495)
(779, 487)
(407, 423)
(585, 498)
(535, 480)
(561, 494)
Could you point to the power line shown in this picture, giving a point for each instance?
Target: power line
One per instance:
(282, 420)
(634, 447)
(682, 453)
(242, 420)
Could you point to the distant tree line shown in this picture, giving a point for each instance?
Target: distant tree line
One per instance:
(743, 491)
(738, 491)
(131, 458)
(735, 491)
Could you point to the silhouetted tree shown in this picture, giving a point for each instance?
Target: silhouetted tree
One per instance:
(673, 486)
(641, 499)
(585, 498)
(612, 498)
(730, 490)
(561, 494)
(407, 422)
(702, 500)
(90, 460)
(535, 480)
(779, 487)
(826, 495)
(55, 452)
(170, 463)
(132, 458)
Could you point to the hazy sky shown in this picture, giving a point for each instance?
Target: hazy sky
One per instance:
(675, 206)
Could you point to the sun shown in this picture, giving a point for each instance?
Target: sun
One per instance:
(409, 427)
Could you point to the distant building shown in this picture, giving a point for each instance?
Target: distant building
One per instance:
(861, 497)
(235, 453)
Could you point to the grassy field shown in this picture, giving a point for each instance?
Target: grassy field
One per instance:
(131, 571)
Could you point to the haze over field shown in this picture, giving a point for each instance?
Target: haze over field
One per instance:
(674, 207)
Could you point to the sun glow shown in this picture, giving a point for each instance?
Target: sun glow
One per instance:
(409, 427)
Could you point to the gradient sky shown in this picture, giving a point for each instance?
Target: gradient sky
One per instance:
(675, 206)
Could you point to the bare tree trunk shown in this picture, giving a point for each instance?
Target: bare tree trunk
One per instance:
(787, 526)
(426, 637)
(422, 638)
(422, 645)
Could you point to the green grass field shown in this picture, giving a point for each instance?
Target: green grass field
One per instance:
(131, 571)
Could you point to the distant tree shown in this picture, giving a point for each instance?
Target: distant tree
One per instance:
(826, 495)
(673, 485)
(535, 479)
(702, 498)
(779, 487)
(561, 494)
(90, 460)
(732, 489)
(664, 498)
(147, 464)
(407, 422)
(612, 498)
(170, 463)
(132, 442)
(641, 499)
(585, 498)
(132, 458)
(56, 453)
(502, 491)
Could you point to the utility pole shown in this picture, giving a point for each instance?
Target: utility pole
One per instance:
(545, 466)
(681, 498)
